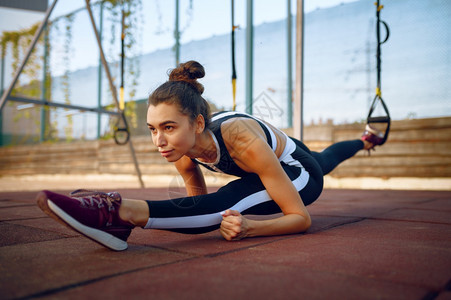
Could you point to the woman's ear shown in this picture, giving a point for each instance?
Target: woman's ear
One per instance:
(200, 124)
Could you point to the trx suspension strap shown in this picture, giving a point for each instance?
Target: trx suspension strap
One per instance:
(121, 134)
(121, 91)
(233, 57)
(378, 98)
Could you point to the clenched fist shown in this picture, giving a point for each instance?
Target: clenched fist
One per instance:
(233, 226)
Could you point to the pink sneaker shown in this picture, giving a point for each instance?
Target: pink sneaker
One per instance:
(373, 136)
(94, 214)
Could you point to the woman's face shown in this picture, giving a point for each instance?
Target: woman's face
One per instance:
(172, 132)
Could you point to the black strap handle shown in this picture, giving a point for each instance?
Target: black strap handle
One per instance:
(380, 119)
(121, 135)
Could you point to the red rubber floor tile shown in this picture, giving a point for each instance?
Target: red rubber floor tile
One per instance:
(368, 249)
(439, 204)
(20, 213)
(245, 278)
(47, 224)
(12, 203)
(12, 234)
(416, 233)
(35, 269)
(362, 244)
(418, 215)
(212, 243)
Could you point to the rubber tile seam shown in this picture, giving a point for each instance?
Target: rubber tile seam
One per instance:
(94, 280)
(23, 219)
(167, 249)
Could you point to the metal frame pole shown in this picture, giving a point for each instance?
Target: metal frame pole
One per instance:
(2, 82)
(2, 71)
(99, 75)
(177, 33)
(249, 56)
(289, 67)
(44, 86)
(113, 89)
(7, 93)
(62, 105)
(298, 117)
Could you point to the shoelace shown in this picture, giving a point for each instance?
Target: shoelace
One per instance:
(91, 198)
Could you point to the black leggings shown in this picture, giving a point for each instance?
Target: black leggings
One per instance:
(199, 214)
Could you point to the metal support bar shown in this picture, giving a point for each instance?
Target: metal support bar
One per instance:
(42, 136)
(2, 71)
(249, 56)
(2, 78)
(177, 33)
(61, 105)
(7, 92)
(289, 67)
(298, 100)
(113, 89)
(99, 74)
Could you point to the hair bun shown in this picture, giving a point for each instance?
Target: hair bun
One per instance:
(189, 72)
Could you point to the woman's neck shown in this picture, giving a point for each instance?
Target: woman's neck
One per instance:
(205, 148)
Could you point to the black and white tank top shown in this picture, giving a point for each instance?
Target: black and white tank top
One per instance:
(224, 162)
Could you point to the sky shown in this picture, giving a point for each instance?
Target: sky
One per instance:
(265, 10)
(199, 19)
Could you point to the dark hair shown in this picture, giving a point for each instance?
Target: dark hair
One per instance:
(183, 89)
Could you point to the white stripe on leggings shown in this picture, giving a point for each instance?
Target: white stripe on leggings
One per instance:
(216, 218)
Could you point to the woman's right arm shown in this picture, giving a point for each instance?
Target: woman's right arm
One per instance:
(192, 176)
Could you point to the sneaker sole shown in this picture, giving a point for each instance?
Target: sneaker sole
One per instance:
(374, 131)
(99, 236)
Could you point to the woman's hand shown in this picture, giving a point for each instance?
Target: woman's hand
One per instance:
(233, 226)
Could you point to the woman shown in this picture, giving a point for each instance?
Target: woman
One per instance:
(276, 173)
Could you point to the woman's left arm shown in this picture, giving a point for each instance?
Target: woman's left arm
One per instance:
(259, 158)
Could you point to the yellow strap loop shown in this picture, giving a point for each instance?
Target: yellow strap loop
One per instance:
(378, 92)
(234, 94)
(121, 99)
(380, 7)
